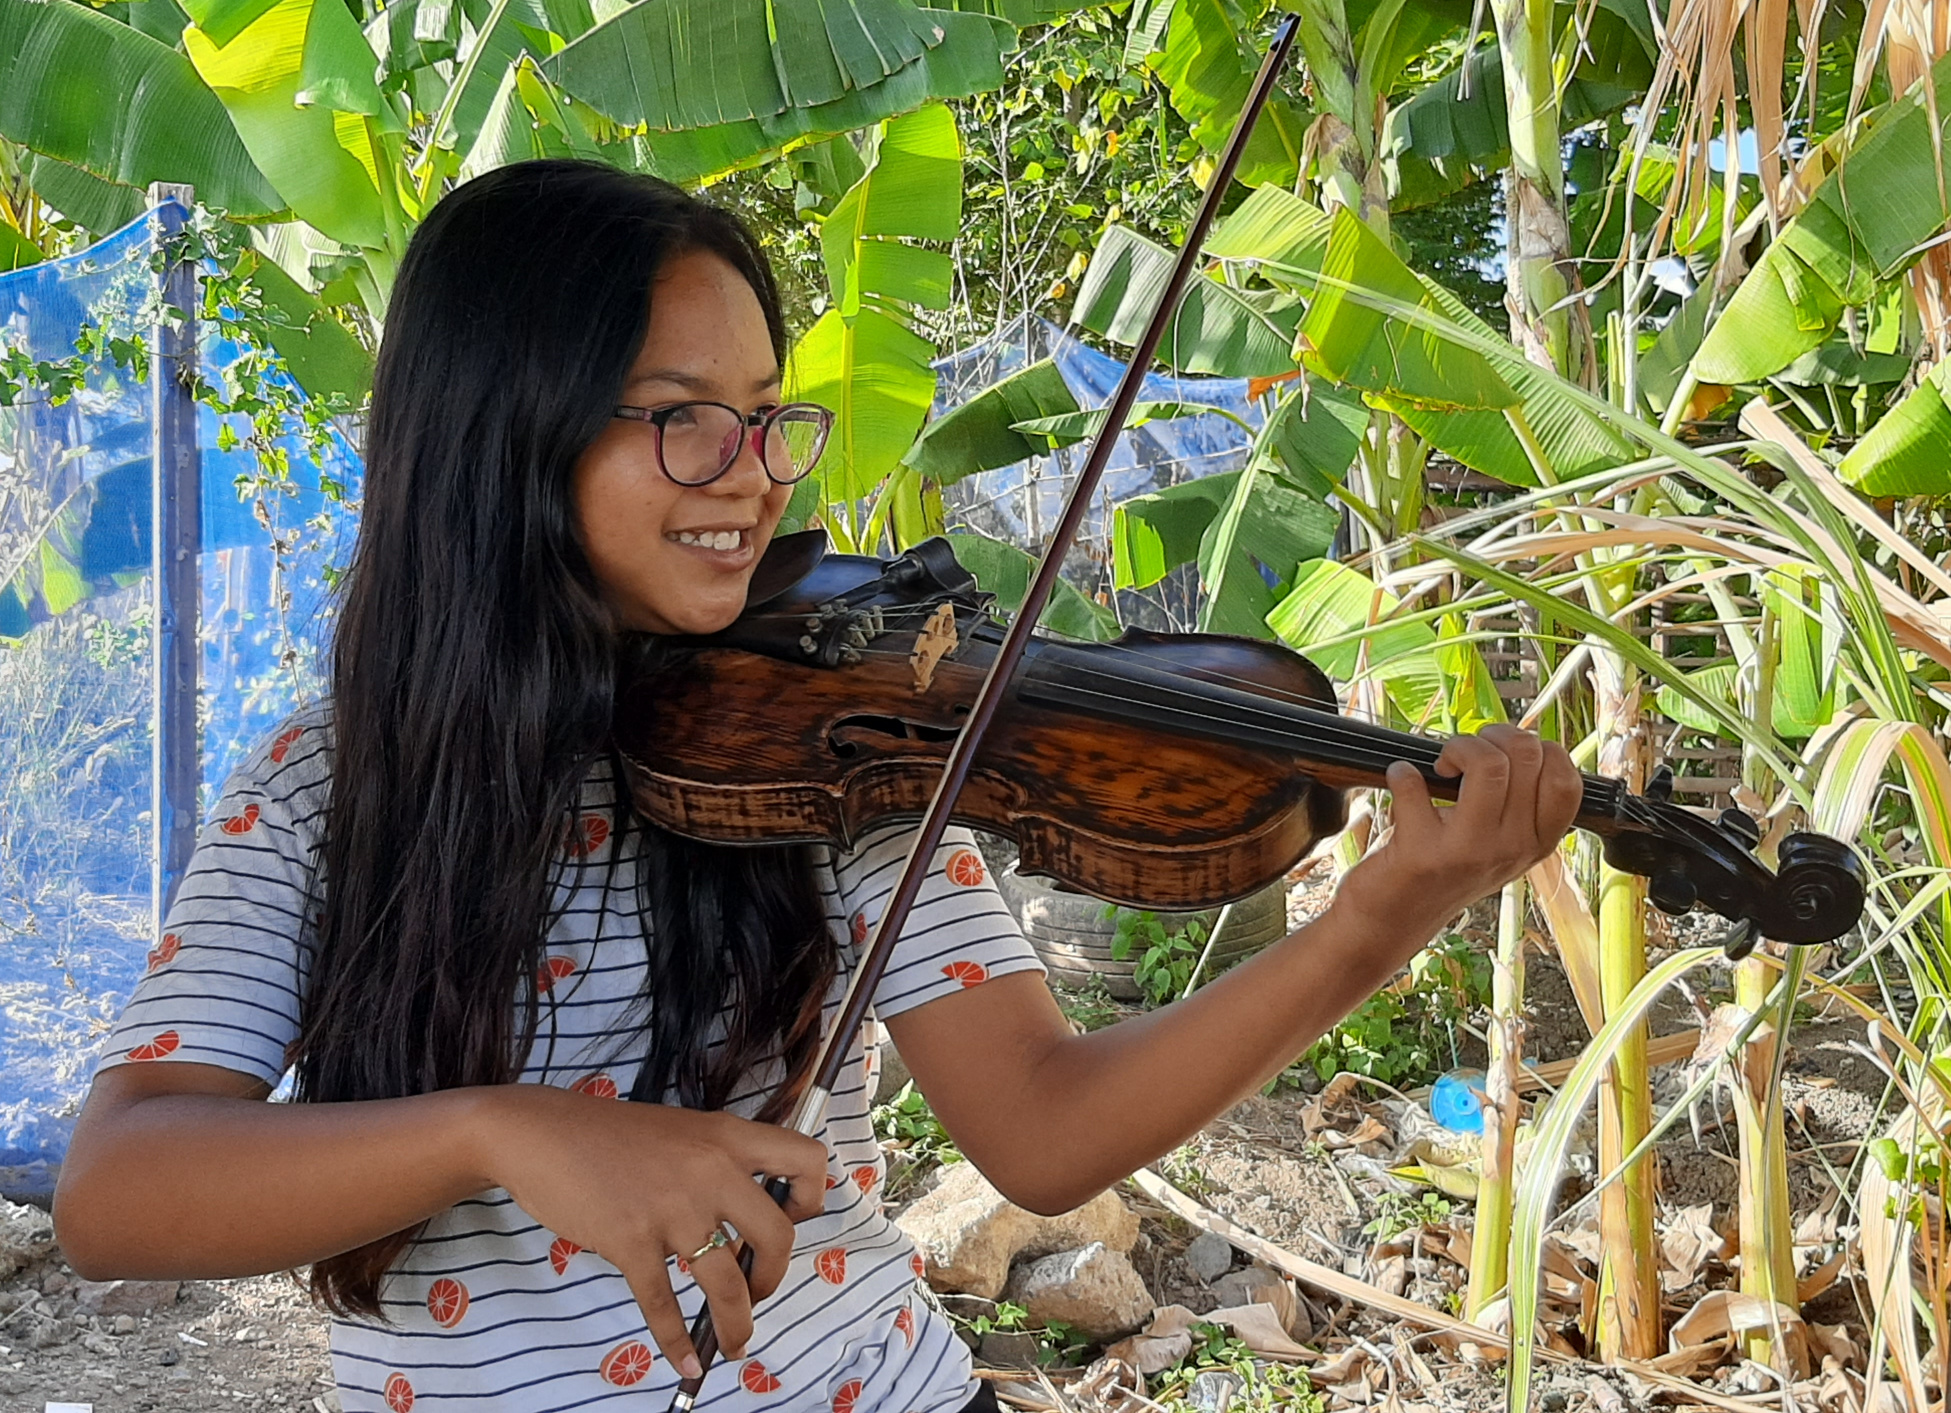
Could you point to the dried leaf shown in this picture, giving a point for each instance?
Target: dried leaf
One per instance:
(1820, 1279)
(1727, 1312)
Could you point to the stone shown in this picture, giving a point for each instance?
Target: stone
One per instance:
(124, 1324)
(894, 1072)
(26, 1235)
(1210, 1256)
(1009, 1349)
(968, 1233)
(123, 1297)
(1214, 1391)
(1093, 1289)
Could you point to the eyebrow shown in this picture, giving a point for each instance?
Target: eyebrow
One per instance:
(693, 382)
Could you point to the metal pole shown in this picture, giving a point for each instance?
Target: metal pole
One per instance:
(176, 543)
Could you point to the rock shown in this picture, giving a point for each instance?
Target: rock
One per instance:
(328, 1402)
(1094, 1290)
(1210, 1256)
(123, 1297)
(1009, 1349)
(124, 1324)
(168, 1356)
(26, 1235)
(894, 1072)
(968, 1233)
(1214, 1391)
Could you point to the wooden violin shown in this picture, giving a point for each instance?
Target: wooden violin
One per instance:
(1169, 771)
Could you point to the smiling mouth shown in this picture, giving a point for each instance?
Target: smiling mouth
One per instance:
(708, 539)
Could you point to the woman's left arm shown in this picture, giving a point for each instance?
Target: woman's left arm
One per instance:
(1020, 1092)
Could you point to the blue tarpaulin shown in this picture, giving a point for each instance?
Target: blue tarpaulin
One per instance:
(76, 712)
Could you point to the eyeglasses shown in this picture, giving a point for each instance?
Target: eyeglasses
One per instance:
(697, 442)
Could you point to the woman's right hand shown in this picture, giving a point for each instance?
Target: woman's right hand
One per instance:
(641, 1183)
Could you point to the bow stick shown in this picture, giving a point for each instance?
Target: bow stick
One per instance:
(809, 1114)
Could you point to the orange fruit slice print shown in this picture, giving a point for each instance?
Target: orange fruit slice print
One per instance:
(627, 1364)
(832, 1265)
(560, 1250)
(281, 747)
(859, 929)
(756, 1378)
(968, 973)
(551, 971)
(241, 823)
(905, 1322)
(587, 834)
(164, 1044)
(846, 1396)
(918, 1266)
(965, 868)
(398, 1393)
(164, 952)
(866, 1176)
(598, 1085)
(447, 1302)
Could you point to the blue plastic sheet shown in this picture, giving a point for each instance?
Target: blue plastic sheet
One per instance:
(76, 709)
(1021, 502)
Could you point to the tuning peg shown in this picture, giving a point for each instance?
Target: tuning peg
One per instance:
(1670, 890)
(1659, 789)
(1741, 941)
(1739, 824)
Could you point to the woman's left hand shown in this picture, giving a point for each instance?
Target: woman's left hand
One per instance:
(1518, 798)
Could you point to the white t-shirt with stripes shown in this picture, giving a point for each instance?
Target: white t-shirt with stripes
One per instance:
(489, 1309)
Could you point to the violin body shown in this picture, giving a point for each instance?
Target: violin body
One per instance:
(1146, 818)
(1162, 771)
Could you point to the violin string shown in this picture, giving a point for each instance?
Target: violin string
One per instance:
(1355, 736)
(1355, 742)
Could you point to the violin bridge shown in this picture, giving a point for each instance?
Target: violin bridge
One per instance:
(935, 641)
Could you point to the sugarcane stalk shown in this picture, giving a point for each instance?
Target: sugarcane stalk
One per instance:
(1490, 1240)
(1629, 1286)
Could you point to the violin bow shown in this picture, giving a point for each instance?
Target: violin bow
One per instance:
(810, 1112)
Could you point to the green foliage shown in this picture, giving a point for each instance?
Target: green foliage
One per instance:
(1398, 1212)
(1405, 1034)
(907, 1122)
(1165, 956)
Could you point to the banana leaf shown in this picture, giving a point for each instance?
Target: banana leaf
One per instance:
(677, 64)
(1217, 329)
(1908, 451)
(1865, 225)
(318, 351)
(1349, 342)
(1449, 133)
(1327, 615)
(264, 62)
(1151, 535)
(1208, 67)
(120, 106)
(984, 433)
(1005, 571)
(16, 250)
(863, 358)
(1266, 526)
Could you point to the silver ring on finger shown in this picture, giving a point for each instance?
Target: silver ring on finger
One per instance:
(718, 1239)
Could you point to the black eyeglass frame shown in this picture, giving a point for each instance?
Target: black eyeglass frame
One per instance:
(761, 421)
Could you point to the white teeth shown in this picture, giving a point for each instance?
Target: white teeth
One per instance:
(710, 539)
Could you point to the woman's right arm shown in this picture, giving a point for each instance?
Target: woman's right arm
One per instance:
(181, 1170)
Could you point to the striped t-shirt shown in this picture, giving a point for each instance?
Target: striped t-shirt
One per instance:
(489, 1309)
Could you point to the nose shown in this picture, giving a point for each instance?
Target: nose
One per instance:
(746, 476)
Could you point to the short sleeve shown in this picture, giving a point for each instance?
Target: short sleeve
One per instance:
(223, 981)
(960, 933)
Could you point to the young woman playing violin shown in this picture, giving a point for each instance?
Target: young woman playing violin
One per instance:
(428, 900)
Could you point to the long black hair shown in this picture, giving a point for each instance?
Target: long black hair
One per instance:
(473, 675)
